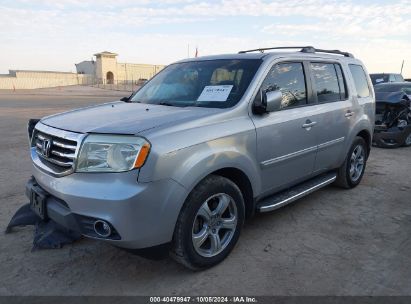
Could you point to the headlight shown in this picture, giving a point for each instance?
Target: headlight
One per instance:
(112, 153)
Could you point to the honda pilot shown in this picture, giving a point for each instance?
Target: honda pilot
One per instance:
(179, 165)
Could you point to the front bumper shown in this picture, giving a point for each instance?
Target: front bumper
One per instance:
(141, 214)
(392, 137)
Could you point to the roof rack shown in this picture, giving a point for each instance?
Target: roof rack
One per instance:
(303, 49)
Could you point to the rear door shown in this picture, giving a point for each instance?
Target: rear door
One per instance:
(334, 112)
(286, 140)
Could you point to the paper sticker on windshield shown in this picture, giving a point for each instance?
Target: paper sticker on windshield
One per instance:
(215, 93)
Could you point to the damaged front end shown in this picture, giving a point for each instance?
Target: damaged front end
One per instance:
(392, 120)
(47, 233)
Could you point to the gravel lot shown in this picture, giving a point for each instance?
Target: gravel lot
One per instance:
(333, 242)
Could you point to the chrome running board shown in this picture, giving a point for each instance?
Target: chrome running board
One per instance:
(290, 195)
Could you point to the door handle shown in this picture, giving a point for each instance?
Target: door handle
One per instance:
(349, 114)
(308, 124)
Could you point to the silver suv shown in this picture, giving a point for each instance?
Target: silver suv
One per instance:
(181, 163)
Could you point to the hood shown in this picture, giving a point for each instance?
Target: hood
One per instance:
(391, 97)
(124, 118)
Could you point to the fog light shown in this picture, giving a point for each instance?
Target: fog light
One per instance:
(102, 228)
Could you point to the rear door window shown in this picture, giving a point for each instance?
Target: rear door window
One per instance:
(329, 84)
(360, 80)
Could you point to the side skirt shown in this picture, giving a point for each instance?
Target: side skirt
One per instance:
(285, 197)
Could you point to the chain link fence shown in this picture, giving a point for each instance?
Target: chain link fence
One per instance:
(117, 85)
(37, 80)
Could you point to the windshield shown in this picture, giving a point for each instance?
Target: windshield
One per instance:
(406, 88)
(211, 83)
(379, 78)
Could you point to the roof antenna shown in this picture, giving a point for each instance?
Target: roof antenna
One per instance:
(402, 66)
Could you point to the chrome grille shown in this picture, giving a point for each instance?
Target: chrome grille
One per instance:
(61, 151)
(55, 150)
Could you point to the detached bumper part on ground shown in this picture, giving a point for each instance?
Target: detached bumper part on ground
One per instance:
(47, 234)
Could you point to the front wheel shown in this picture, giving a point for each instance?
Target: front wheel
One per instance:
(407, 141)
(352, 170)
(209, 223)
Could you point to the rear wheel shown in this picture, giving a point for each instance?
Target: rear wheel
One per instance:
(352, 170)
(209, 223)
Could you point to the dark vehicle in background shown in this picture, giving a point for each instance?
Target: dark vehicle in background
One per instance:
(386, 77)
(393, 115)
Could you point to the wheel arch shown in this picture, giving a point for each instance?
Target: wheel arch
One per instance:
(365, 134)
(363, 128)
(239, 178)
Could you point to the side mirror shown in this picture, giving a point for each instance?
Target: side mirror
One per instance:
(273, 100)
(268, 102)
(125, 99)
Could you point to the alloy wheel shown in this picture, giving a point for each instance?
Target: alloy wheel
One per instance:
(357, 162)
(214, 225)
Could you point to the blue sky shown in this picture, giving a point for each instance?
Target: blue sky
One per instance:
(53, 35)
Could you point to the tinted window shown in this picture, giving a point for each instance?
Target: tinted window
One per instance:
(290, 80)
(208, 83)
(360, 80)
(328, 82)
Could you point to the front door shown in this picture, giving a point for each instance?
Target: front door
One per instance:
(286, 139)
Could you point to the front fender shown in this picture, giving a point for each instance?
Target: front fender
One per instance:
(190, 165)
(207, 161)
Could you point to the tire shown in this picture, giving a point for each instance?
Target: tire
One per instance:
(202, 226)
(346, 178)
(407, 141)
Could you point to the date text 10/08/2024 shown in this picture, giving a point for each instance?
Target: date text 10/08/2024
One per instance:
(238, 299)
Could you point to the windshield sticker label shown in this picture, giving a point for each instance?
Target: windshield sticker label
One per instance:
(215, 93)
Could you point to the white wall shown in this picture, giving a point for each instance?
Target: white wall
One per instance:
(39, 79)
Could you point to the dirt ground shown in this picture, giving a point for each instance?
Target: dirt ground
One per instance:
(333, 242)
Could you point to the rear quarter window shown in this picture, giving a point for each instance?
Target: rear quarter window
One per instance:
(360, 80)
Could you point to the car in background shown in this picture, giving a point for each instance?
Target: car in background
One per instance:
(393, 115)
(386, 77)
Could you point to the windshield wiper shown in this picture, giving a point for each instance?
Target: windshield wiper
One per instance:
(164, 103)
